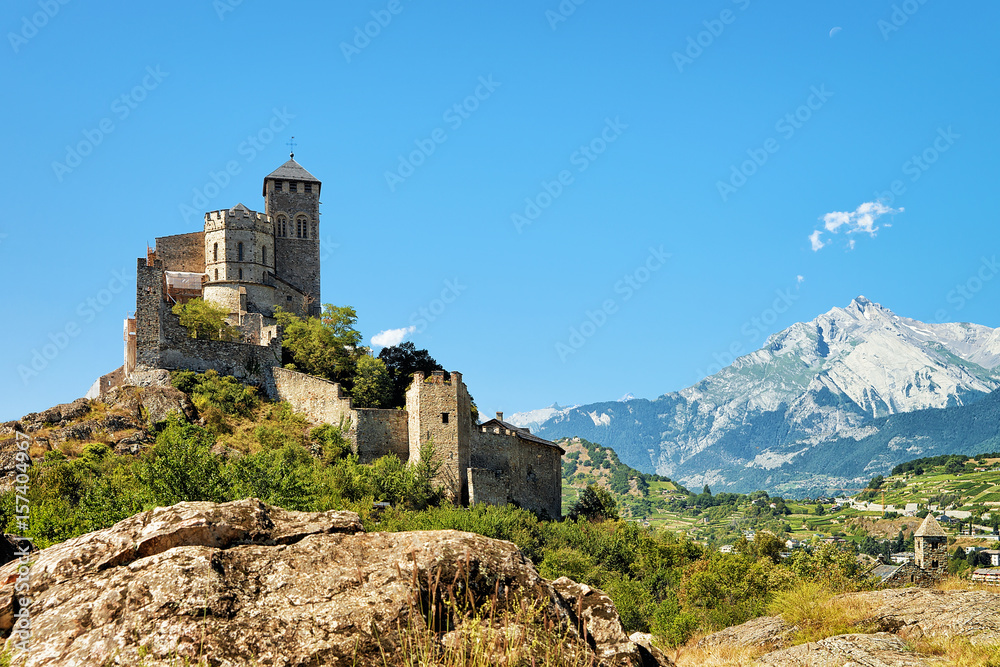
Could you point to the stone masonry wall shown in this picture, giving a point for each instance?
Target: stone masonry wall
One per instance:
(289, 298)
(297, 260)
(182, 252)
(491, 487)
(441, 410)
(380, 432)
(161, 341)
(931, 554)
(910, 575)
(534, 471)
(319, 400)
(372, 433)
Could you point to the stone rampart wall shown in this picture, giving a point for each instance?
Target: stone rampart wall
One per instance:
(380, 432)
(534, 470)
(182, 252)
(319, 400)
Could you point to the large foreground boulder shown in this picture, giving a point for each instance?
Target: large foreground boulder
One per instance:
(244, 583)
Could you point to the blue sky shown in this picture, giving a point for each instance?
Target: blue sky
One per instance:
(623, 197)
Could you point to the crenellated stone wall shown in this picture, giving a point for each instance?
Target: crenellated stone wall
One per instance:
(440, 410)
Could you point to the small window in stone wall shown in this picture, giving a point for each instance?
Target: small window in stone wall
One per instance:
(241, 274)
(293, 187)
(444, 417)
(308, 187)
(239, 253)
(215, 252)
(263, 255)
(216, 274)
(277, 186)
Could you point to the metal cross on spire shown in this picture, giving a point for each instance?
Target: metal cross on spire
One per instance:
(291, 147)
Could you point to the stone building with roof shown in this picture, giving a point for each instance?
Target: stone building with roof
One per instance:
(251, 263)
(930, 562)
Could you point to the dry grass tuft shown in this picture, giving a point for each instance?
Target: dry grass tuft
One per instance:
(821, 614)
(693, 655)
(447, 626)
(960, 584)
(958, 651)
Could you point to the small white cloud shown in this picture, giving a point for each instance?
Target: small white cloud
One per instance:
(816, 243)
(861, 220)
(834, 220)
(799, 280)
(391, 337)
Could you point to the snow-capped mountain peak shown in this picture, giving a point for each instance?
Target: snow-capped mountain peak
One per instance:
(810, 383)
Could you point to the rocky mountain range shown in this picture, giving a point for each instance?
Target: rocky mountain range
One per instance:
(814, 410)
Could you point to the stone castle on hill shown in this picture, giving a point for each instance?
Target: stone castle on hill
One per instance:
(250, 263)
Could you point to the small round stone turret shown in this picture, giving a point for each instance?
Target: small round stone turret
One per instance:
(239, 253)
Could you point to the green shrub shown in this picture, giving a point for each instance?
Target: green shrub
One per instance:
(182, 467)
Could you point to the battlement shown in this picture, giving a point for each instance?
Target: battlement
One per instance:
(238, 216)
(437, 377)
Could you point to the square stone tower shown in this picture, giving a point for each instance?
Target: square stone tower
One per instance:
(931, 547)
(440, 410)
(291, 199)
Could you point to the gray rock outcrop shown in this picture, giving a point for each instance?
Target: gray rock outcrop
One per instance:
(244, 583)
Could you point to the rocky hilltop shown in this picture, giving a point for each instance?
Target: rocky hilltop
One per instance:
(777, 418)
(244, 583)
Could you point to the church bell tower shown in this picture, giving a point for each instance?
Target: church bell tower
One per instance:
(291, 199)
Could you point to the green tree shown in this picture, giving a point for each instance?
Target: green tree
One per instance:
(372, 384)
(403, 361)
(204, 319)
(595, 504)
(325, 347)
(820, 511)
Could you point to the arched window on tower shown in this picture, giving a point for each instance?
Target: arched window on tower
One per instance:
(282, 226)
(302, 227)
(215, 252)
(263, 255)
(239, 253)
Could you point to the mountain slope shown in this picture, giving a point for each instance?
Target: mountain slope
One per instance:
(820, 384)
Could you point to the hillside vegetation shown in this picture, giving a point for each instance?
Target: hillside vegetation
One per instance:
(238, 446)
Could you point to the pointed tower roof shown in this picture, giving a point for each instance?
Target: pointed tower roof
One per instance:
(290, 171)
(239, 208)
(930, 528)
